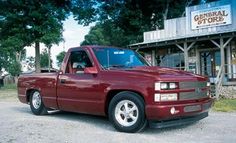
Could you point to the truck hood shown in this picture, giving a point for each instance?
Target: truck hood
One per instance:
(162, 73)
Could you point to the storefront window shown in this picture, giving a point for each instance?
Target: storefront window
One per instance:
(210, 63)
(233, 63)
(175, 60)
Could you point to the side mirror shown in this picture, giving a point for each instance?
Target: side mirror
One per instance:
(91, 70)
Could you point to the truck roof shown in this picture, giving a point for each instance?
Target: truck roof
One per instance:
(93, 47)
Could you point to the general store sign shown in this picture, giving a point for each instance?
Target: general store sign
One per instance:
(216, 16)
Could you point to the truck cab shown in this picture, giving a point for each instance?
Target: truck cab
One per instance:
(120, 84)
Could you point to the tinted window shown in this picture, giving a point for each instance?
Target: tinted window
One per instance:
(118, 58)
(81, 57)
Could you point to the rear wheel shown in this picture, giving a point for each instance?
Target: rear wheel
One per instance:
(36, 103)
(126, 112)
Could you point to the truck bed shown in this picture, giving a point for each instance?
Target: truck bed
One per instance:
(44, 82)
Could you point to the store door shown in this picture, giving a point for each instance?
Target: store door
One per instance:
(210, 63)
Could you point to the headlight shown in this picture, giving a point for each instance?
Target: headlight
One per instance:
(166, 97)
(208, 84)
(165, 85)
(172, 85)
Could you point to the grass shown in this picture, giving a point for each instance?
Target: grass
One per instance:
(225, 105)
(8, 93)
(8, 86)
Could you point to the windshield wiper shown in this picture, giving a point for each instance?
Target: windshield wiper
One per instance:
(119, 66)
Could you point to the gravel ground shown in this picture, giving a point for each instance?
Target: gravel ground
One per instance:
(9, 95)
(18, 124)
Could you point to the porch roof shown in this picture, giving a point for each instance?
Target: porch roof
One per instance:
(178, 40)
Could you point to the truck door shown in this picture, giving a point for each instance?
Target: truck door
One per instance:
(78, 91)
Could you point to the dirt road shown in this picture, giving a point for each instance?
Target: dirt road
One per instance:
(18, 124)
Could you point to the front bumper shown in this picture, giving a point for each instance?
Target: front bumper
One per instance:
(177, 121)
(160, 112)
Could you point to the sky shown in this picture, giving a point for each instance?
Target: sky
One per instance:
(73, 35)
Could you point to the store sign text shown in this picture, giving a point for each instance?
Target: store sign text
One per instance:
(216, 16)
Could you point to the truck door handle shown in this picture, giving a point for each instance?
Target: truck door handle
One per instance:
(62, 80)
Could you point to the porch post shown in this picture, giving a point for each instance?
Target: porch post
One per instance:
(222, 45)
(185, 49)
(198, 61)
(229, 63)
(222, 55)
(153, 58)
(186, 63)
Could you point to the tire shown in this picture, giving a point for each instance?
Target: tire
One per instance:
(36, 103)
(127, 112)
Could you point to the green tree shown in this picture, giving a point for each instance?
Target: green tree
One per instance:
(2, 58)
(105, 33)
(60, 58)
(14, 67)
(132, 17)
(33, 22)
(45, 59)
(30, 61)
(121, 22)
(10, 58)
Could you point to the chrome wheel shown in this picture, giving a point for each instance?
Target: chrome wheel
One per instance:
(36, 100)
(126, 113)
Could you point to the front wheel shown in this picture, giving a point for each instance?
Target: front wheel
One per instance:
(126, 112)
(36, 104)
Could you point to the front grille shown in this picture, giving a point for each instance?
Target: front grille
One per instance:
(197, 86)
(192, 95)
(192, 85)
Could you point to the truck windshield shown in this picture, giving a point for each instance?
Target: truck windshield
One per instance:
(118, 58)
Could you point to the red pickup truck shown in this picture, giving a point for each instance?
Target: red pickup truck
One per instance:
(120, 84)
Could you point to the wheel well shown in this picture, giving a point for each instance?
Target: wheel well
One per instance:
(28, 92)
(112, 93)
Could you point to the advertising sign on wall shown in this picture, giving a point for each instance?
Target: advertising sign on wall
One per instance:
(215, 16)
